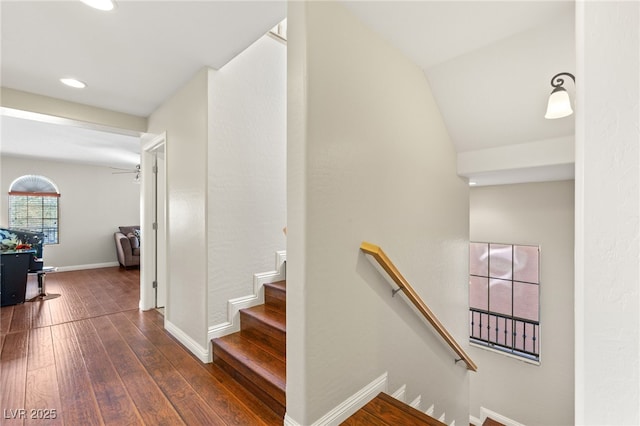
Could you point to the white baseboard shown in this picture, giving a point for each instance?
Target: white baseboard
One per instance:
(474, 421)
(187, 341)
(87, 266)
(348, 407)
(232, 324)
(416, 402)
(288, 421)
(485, 412)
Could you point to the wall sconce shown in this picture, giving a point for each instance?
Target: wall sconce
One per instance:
(559, 103)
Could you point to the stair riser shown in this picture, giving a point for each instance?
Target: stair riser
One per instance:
(275, 298)
(267, 336)
(239, 367)
(263, 396)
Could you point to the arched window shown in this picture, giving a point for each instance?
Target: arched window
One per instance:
(33, 206)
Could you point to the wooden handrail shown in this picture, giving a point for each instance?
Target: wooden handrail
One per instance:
(386, 264)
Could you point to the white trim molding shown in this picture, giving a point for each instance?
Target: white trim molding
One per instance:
(87, 266)
(474, 420)
(400, 394)
(416, 403)
(485, 412)
(187, 341)
(232, 324)
(352, 404)
(430, 410)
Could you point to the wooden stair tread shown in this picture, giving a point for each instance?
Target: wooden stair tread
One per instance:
(252, 361)
(394, 412)
(272, 317)
(279, 285)
(363, 418)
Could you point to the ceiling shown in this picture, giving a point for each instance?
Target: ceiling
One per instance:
(132, 59)
(489, 63)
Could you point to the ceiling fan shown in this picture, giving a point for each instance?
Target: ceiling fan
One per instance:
(136, 170)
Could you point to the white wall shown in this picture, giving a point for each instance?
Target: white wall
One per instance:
(607, 364)
(369, 158)
(247, 171)
(184, 118)
(93, 203)
(537, 214)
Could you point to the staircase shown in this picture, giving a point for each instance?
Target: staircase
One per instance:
(386, 410)
(256, 355)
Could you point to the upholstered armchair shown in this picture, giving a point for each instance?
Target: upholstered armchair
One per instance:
(128, 246)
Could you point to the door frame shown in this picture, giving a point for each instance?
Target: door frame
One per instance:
(150, 143)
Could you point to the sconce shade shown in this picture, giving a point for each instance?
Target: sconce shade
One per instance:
(559, 104)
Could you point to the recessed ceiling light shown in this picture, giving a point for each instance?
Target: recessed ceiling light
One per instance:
(472, 183)
(72, 82)
(101, 4)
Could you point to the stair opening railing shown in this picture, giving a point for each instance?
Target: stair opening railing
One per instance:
(404, 286)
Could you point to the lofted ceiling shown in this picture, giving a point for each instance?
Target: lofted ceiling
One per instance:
(489, 63)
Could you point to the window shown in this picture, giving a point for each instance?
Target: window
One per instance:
(504, 289)
(33, 206)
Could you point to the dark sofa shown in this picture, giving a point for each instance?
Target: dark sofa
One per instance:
(128, 246)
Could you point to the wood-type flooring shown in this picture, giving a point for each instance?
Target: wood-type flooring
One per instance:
(90, 357)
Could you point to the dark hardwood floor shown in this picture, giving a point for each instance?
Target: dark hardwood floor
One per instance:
(90, 357)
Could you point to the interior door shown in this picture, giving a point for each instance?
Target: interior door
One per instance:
(160, 227)
(154, 283)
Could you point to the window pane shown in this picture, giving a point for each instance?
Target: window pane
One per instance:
(35, 213)
(508, 327)
(34, 204)
(526, 337)
(482, 326)
(525, 264)
(500, 261)
(500, 296)
(494, 328)
(478, 294)
(525, 301)
(518, 339)
(474, 320)
(50, 208)
(479, 259)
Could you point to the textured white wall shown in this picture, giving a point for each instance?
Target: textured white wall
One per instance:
(369, 159)
(93, 203)
(607, 213)
(538, 214)
(247, 171)
(184, 118)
